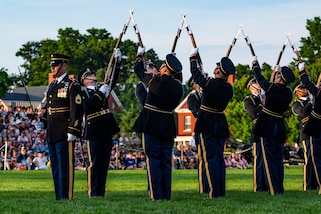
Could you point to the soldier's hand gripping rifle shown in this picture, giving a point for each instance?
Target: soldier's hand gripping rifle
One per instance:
(233, 43)
(190, 33)
(110, 73)
(278, 61)
(248, 42)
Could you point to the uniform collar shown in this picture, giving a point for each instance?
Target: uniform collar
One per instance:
(61, 78)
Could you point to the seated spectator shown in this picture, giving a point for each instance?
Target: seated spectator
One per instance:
(242, 160)
(124, 140)
(22, 158)
(40, 161)
(135, 142)
(189, 158)
(30, 165)
(228, 162)
(130, 161)
(192, 143)
(141, 160)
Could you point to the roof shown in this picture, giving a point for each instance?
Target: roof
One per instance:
(36, 93)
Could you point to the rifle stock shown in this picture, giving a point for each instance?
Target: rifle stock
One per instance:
(319, 81)
(233, 43)
(112, 62)
(190, 33)
(248, 42)
(278, 60)
(179, 31)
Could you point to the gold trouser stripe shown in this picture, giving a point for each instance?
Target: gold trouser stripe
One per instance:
(208, 175)
(314, 165)
(316, 115)
(305, 165)
(211, 110)
(71, 169)
(254, 166)
(89, 169)
(267, 169)
(271, 113)
(97, 114)
(200, 169)
(151, 193)
(156, 109)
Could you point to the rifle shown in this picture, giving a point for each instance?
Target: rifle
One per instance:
(278, 60)
(233, 43)
(319, 81)
(248, 42)
(109, 75)
(140, 42)
(178, 33)
(190, 33)
(294, 48)
(24, 85)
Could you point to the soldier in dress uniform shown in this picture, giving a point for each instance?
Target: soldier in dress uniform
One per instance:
(100, 126)
(313, 125)
(156, 122)
(141, 88)
(253, 106)
(302, 108)
(270, 126)
(194, 98)
(63, 123)
(211, 124)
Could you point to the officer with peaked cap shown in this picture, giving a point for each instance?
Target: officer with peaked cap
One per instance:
(270, 126)
(211, 126)
(302, 107)
(313, 124)
(253, 105)
(63, 123)
(156, 122)
(100, 126)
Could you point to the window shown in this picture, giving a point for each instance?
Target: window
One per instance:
(187, 123)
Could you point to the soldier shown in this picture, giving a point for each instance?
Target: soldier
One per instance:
(302, 107)
(211, 124)
(141, 88)
(194, 98)
(100, 126)
(63, 122)
(270, 126)
(156, 122)
(312, 127)
(253, 106)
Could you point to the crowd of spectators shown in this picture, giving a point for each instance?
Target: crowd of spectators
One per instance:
(27, 147)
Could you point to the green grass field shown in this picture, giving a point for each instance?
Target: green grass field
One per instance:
(32, 192)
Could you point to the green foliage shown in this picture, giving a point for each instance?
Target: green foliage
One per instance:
(5, 81)
(126, 192)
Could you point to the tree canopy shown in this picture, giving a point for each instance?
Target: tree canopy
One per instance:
(94, 49)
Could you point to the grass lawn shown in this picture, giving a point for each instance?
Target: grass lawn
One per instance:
(33, 192)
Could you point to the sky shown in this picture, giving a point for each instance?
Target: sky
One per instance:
(214, 25)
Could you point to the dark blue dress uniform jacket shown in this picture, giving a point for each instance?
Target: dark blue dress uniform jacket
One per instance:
(313, 126)
(101, 125)
(64, 110)
(277, 100)
(216, 95)
(155, 122)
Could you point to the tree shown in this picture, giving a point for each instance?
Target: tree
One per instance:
(5, 81)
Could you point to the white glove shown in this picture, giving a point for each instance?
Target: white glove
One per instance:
(277, 69)
(254, 59)
(104, 88)
(71, 137)
(117, 54)
(141, 50)
(194, 51)
(174, 54)
(301, 66)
